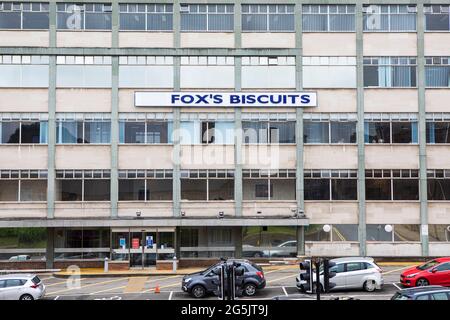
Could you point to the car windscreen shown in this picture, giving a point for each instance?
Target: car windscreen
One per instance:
(254, 265)
(399, 296)
(428, 265)
(36, 280)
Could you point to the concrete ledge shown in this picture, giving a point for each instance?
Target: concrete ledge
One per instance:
(29, 271)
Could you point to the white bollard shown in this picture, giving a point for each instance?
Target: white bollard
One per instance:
(106, 266)
(174, 264)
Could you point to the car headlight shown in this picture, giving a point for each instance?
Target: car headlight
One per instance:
(187, 280)
(411, 275)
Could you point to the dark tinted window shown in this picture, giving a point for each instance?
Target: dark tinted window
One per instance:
(338, 268)
(443, 267)
(317, 189)
(378, 189)
(423, 297)
(354, 266)
(344, 189)
(2, 283)
(406, 189)
(36, 280)
(15, 282)
(440, 296)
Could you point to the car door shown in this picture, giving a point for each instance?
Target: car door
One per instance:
(339, 279)
(211, 281)
(353, 275)
(439, 296)
(2, 288)
(13, 289)
(440, 275)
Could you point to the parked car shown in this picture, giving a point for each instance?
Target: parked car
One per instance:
(21, 287)
(200, 284)
(285, 249)
(22, 257)
(434, 272)
(423, 293)
(351, 273)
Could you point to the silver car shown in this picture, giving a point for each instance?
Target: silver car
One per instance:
(21, 287)
(352, 273)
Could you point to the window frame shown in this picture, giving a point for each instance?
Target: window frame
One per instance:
(267, 14)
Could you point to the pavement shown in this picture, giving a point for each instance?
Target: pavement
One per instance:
(280, 282)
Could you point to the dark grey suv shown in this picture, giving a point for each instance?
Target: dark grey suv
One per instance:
(200, 284)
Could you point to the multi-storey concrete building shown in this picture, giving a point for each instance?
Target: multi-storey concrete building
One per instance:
(92, 167)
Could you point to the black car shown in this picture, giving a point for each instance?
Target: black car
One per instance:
(200, 284)
(423, 293)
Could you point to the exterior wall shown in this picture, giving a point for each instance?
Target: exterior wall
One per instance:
(83, 100)
(390, 44)
(23, 210)
(23, 38)
(437, 157)
(198, 77)
(437, 43)
(23, 156)
(342, 212)
(83, 157)
(329, 44)
(335, 100)
(393, 249)
(268, 77)
(23, 100)
(390, 100)
(87, 39)
(153, 209)
(328, 249)
(268, 156)
(207, 40)
(268, 40)
(145, 156)
(131, 39)
(126, 102)
(438, 249)
(82, 210)
(436, 100)
(267, 208)
(439, 212)
(331, 156)
(207, 156)
(392, 157)
(397, 212)
(209, 209)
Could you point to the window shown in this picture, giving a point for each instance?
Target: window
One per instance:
(330, 185)
(439, 232)
(391, 132)
(89, 16)
(329, 132)
(146, 17)
(440, 296)
(314, 232)
(282, 132)
(343, 132)
(328, 18)
(23, 132)
(83, 72)
(24, 71)
(207, 132)
(399, 233)
(437, 72)
(262, 17)
(145, 132)
(83, 132)
(389, 72)
(211, 17)
(208, 185)
(389, 18)
(85, 243)
(268, 242)
(436, 17)
(25, 15)
(443, 267)
(355, 266)
(316, 132)
(83, 185)
(392, 184)
(268, 184)
(438, 185)
(145, 185)
(329, 72)
(23, 185)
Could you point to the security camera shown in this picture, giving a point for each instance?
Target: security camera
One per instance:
(138, 214)
(221, 214)
(183, 213)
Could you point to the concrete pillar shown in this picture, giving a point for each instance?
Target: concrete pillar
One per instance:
(360, 131)
(237, 239)
(423, 195)
(50, 249)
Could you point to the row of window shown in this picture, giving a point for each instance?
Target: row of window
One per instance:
(221, 132)
(383, 72)
(388, 185)
(220, 17)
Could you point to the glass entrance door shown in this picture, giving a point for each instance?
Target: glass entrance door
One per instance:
(136, 249)
(149, 249)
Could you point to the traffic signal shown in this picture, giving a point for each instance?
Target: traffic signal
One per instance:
(328, 274)
(307, 276)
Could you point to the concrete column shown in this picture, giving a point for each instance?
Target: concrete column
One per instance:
(237, 239)
(114, 136)
(423, 195)
(51, 149)
(360, 131)
(299, 165)
(50, 249)
(178, 242)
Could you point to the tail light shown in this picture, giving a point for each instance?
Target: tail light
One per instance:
(35, 286)
(260, 274)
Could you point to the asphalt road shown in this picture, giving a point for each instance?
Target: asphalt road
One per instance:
(280, 282)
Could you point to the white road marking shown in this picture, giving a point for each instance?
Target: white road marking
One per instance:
(391, 271)
(395, 285)
(170, 295)
(56, 298)
(285, 292)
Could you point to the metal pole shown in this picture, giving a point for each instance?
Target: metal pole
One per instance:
(317, 263)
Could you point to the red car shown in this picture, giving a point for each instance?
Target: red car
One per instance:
(434, 272)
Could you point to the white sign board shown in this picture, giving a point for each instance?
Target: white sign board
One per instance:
(226, 99)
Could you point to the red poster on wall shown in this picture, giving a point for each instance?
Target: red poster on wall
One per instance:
(135, 243)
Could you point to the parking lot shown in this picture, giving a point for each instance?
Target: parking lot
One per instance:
(280, 281)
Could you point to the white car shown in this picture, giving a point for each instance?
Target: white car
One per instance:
(352, 273)
(21, 287)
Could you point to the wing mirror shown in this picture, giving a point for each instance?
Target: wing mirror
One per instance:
(433, 270)
(217, 271)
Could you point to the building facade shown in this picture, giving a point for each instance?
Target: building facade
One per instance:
(87, 173)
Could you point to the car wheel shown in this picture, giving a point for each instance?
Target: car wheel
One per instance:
(249, 289)
(198, 291)
(369, 286)
(422, 282)
(26, 297)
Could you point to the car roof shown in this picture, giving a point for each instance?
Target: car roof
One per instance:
(352, 259)
(17, 276)
(416, 290)
(443, 259)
